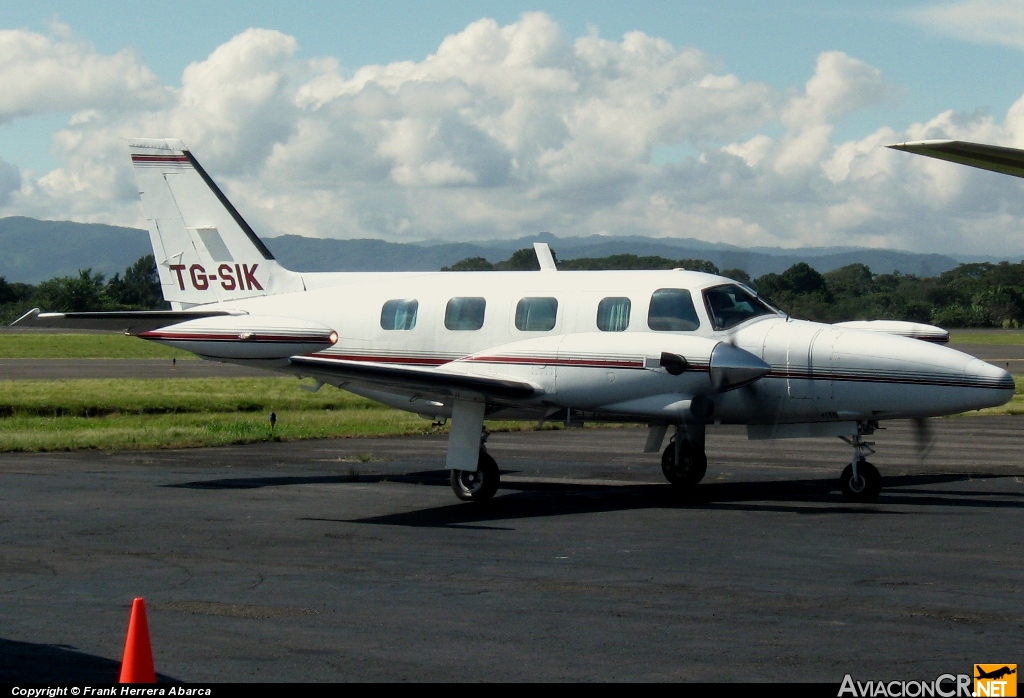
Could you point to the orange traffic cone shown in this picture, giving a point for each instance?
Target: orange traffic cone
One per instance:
(137, 663)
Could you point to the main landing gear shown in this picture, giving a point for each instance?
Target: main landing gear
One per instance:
(684, 462)
(477, 486)
(861, 481)
(466, 449)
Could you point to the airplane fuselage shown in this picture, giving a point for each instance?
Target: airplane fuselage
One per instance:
(816, 373)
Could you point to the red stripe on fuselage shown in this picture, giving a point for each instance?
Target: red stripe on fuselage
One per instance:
(207, 337)
(376, 359)
(551, 361)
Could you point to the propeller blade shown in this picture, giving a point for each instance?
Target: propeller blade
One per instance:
(924, 438)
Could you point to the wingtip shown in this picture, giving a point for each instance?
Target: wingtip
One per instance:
(26, 318)
(910, 145)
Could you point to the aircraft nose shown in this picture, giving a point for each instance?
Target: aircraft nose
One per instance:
(994, 381)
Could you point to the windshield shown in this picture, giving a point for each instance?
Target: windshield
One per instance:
(731, 305)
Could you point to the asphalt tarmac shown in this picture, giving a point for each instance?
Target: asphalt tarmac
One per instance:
(350, 559)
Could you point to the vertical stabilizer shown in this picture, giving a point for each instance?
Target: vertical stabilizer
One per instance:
(204, 249)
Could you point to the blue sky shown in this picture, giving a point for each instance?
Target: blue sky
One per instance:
(928, 58)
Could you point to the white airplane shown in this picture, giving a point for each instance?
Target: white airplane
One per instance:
(672, 349)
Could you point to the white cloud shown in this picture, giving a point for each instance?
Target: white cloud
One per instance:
(999, 22)
(840, 85)
(40, 73)
(509, 130)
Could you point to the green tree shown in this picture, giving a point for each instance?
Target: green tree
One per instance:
(853, 280)
(802, 278)
(68, 294)
(697, 265)
(13, 293)
(521, 260)
(737, 275)
(617, 261)
(139, 288)
(470, 264)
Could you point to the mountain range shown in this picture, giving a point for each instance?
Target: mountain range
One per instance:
(34, 250)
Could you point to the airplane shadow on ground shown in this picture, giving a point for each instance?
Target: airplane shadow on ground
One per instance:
(30, 662)
(521, 500)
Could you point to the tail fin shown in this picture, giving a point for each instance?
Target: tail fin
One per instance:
(205, 251)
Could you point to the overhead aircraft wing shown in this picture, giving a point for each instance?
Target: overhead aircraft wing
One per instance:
(404, 378)
(129, 322)
(987, 157)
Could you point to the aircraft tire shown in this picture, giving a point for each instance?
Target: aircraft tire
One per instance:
(867, 489)
(693, 465)
(479, 486)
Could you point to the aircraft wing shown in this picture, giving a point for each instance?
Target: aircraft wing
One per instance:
(129, 322)
(404, 378)
(987, 157)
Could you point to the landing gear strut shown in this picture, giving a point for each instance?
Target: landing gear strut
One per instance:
(684, 462)
(477, 486)
(861, 481)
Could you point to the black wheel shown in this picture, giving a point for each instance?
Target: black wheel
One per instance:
(865, 487)
(693, 464)
(477, 486)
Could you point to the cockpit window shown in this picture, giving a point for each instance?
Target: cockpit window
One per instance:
(731, 305)
(672, 311)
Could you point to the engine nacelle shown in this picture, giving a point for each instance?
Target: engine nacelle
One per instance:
(245, 337)
(642, 373)
(914, 330)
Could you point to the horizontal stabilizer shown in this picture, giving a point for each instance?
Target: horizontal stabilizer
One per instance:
(405, 377)
(996, 158)
(129, 322)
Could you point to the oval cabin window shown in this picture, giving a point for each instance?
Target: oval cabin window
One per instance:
(613, 314)
(536, 314)
(399, 314)
(465, 313)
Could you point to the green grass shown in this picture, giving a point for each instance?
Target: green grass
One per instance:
(131, 414)
(16, 345)
(995, 337)
(140, 396)
(118, 414)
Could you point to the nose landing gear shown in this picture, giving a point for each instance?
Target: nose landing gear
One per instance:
(861, 481)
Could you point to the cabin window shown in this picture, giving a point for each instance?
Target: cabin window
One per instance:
(613, 314)
(536, 314)
(399, 314)
(465, 313)
(731, 305)
(672, 311)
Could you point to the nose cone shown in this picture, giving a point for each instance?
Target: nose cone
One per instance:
(993, 385)
(732, 367)
(898, 377)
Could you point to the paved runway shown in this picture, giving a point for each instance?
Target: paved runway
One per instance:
(351, 560)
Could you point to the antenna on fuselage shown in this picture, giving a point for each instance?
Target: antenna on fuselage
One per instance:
(544, 256)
